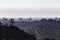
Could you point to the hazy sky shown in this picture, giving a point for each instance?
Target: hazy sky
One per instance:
(27, 8)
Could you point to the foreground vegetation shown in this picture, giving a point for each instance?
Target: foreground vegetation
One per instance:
(14, 33)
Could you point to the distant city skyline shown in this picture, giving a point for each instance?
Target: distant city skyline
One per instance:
(29, 8)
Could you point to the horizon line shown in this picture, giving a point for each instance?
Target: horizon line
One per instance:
(29, 16)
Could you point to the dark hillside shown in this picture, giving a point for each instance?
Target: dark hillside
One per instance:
(13, 32)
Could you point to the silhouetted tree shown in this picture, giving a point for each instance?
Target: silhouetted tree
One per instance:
(30, 18)
(51, 20)
(12, 21)
(20, 18)
(43, 19)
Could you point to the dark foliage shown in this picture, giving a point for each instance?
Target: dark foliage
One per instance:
(46, 39)
(52, 39)
(13, 32)
(51, 20)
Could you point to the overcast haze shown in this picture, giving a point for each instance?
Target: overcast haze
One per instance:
(27, 8)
